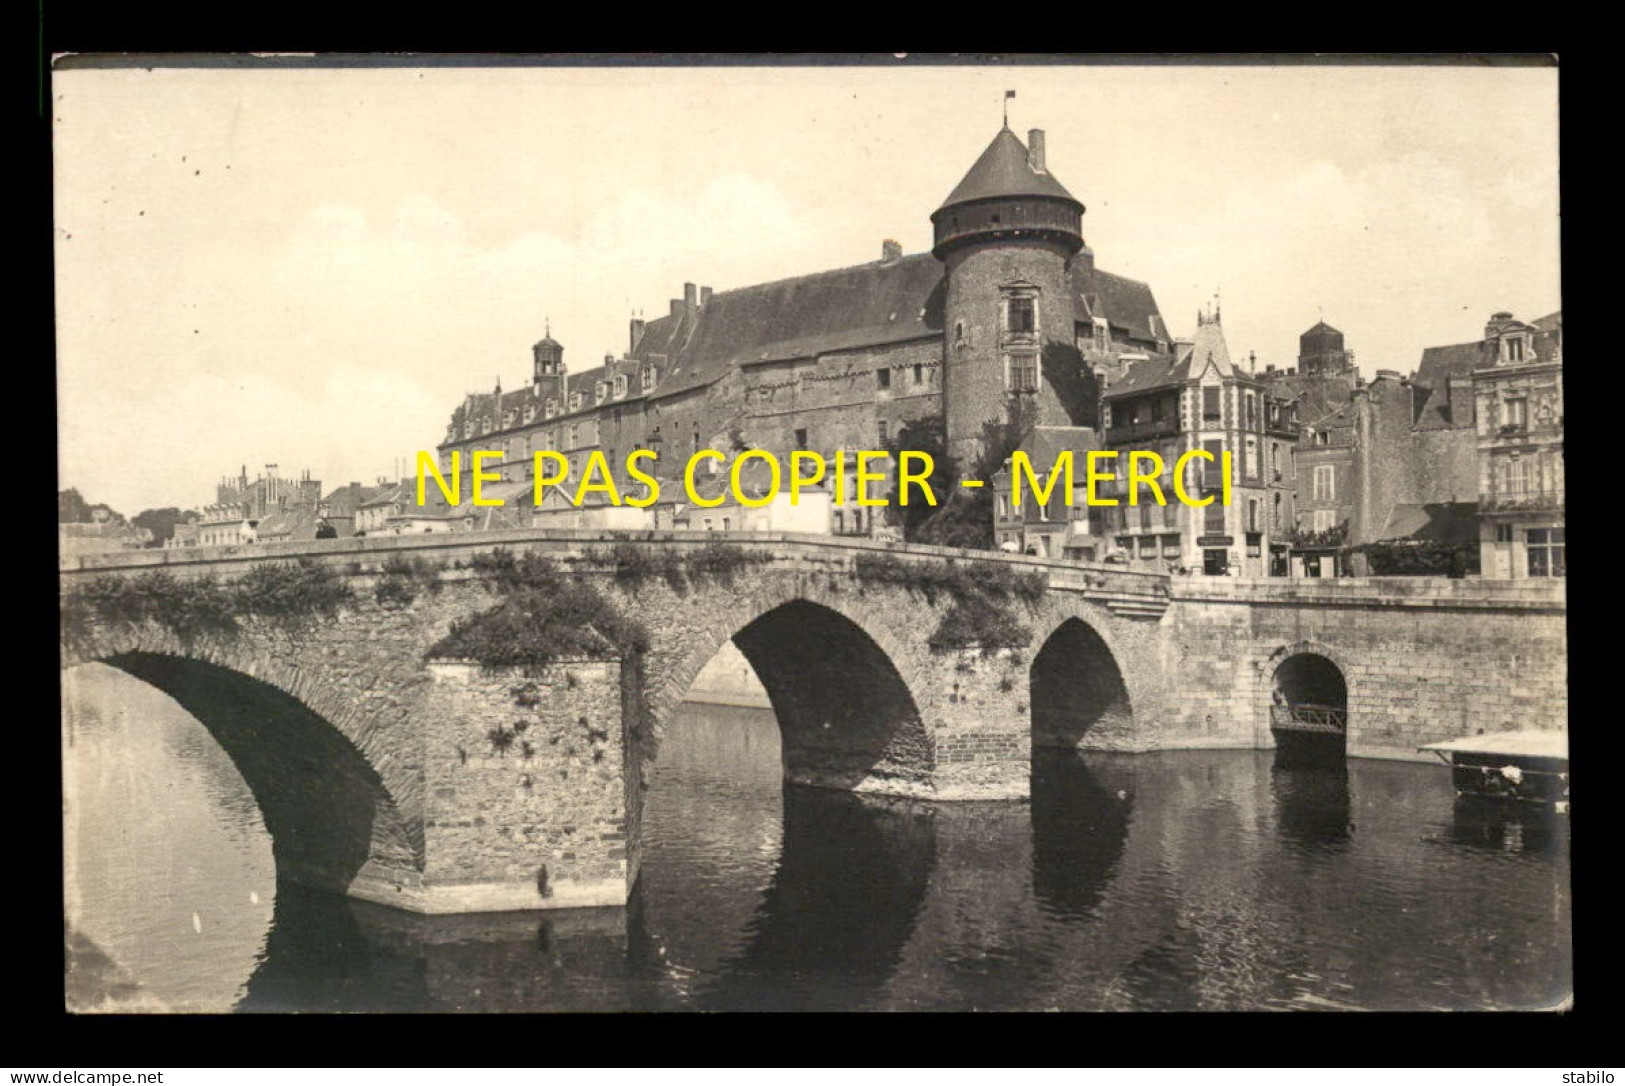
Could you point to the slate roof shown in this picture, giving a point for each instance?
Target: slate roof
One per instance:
(1322, 399)
(390, 493)
(345, 500)
(861, 306)
(1188, 362)
(1046, 443)
(298, 522)
(1126, 304)
(515, 512)
(1004, 169)
(1044, 446)
(1439, 364)
(1437, 522)
(865, 305)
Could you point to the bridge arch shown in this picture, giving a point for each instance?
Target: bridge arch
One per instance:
(1079, 696)
(335, 822)
(841, 684)
(1305, 692)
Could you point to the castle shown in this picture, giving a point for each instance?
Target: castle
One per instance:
(1007, 305)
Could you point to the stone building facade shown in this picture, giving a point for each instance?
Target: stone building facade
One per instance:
(240, 505)
(1054, 528)
(1378, 460)
(1009, 304)
(1518, 390)
(1199, 399)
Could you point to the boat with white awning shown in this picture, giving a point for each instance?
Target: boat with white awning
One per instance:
(1529, 766)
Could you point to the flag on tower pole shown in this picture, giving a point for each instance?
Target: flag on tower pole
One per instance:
(1009, 94)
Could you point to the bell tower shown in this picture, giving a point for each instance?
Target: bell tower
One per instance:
(549, 355)
(1008, 234)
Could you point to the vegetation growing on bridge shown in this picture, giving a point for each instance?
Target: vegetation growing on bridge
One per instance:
(542, 615)
(965, 517)
(1427, 558)
(286, 593)
(986, 597)
(634, 565)
(404, 578)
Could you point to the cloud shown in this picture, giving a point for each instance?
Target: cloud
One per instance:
(349, 343)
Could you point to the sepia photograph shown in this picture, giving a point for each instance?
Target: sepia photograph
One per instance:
(892, 532)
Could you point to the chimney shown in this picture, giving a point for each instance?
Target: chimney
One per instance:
(1459, 398)
(637, 334)
(890, 251)
(705, 297)
(691, 299)
(1035, 150)
(677, 309)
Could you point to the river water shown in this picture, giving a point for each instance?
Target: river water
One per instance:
(1196, 880)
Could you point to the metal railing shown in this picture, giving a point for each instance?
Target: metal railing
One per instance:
(1521, 499)
(1323, 719)
(1136, 431)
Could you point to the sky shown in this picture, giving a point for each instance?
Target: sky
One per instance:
(312, 267)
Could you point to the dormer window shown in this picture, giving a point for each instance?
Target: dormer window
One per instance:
(600, 391)
(649, 377)
(620, 385)
(552, 406)
(530, 411)
(1514, 349)
(576, 400)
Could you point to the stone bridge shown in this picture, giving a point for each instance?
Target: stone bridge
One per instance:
(440, 786)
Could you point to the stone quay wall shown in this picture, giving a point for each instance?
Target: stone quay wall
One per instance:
(1424, 658)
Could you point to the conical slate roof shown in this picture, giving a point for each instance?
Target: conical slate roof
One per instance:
(1208, 345)
(1005, 170)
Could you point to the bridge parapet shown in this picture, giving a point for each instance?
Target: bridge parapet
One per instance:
(1137, 593)
(1442, 593)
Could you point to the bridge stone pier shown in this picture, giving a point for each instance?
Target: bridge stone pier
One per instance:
(439, 786)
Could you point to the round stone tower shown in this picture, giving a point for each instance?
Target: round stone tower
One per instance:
(1007, 233)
